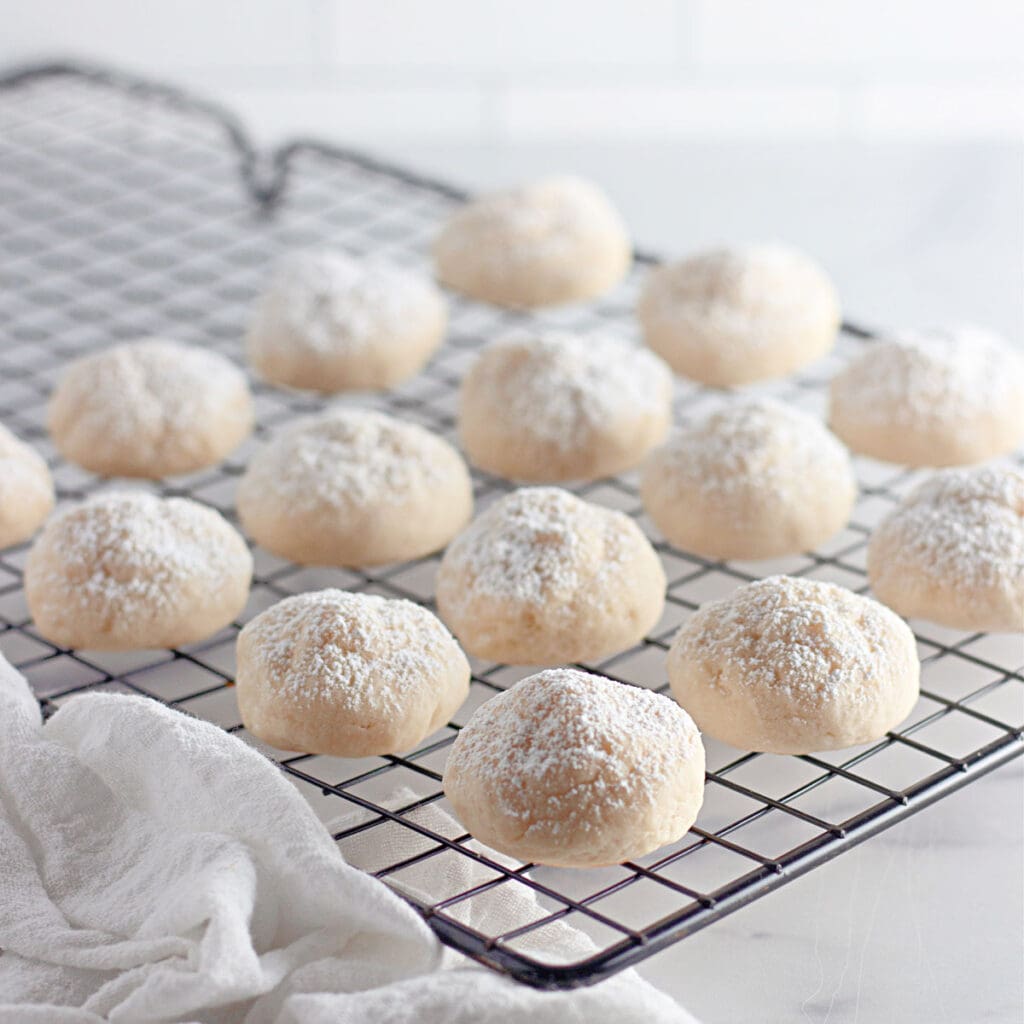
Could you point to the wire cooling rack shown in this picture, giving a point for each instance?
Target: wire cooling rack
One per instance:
(127, 208)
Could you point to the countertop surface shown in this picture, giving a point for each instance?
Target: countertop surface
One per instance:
(925, 922)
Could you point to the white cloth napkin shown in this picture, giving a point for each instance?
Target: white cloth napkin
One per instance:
(155, 868)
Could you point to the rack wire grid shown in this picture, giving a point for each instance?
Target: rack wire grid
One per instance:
(128, 208)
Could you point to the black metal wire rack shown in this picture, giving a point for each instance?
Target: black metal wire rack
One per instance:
(128, 208)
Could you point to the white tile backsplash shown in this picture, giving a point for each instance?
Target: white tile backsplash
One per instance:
(968, 109)
(488, 70)
(852, 34)
(492, 36)
(145, 34)
(667, 110)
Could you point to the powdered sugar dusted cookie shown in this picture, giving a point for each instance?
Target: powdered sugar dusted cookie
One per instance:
(790, 666)
(346, 674)
(128, 570)
(543, 578)
(150, 408)
(330, 323)
(941, 397)
(551, 242)
(734, 315)
(26, 490)
(754, 479)
(953, 551)
(553, 406)
(352, 487)
(572, 769)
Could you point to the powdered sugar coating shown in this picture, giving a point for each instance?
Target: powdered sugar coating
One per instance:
(932, 398)
(351, 486)
(126, 569)
(544, 578)
(736, 314)
(330, 323)
(953, 551)
(552, 241)
(538, 545)
(799, 636)
(348, 674)
(26, 489)
(346, 455)
(753, 479)
(571, 768)
(328, 300)
(150, 408)
(790, 665)
(556, 406)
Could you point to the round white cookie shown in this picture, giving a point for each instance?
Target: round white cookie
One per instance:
(931, 398)
(26, 490)
(150, 408)
(346, 674)
(754, 479)
(791, 666)
(128, 570)
(543, 578)
(551, 242)
(329, 323)
(953, 551)
(575, 770)
(551, 406)
(351, 487)
(734, 315)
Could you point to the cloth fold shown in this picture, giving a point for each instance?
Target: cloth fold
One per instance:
(155, 868)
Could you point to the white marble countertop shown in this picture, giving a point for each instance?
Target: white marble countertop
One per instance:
(925, 922)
